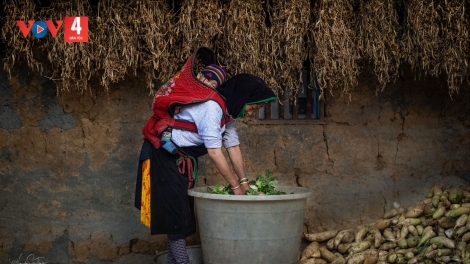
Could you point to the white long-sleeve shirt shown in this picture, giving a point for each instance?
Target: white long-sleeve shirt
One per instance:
(207, 117)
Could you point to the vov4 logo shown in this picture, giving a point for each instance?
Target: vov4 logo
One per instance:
(75, 28)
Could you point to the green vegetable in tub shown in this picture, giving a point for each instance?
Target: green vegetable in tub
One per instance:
(264, 185)
(220, 189)
(260, 186)
(252, 191)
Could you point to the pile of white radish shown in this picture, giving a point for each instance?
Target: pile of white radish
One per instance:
(436, 231)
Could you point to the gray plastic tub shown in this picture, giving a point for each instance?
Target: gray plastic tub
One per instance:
(251, 229)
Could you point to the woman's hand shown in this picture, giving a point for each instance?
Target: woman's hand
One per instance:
(235, 155)
(222, 166)
(245, 187)
(239, 191)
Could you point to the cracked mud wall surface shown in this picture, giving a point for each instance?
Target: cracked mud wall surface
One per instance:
(375, 150)
(68, 162)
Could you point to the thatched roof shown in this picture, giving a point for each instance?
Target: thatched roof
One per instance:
(273, 39)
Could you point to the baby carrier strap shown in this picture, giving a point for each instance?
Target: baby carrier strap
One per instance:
(181, 90)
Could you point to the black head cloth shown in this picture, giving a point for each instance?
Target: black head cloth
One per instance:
(243, 89)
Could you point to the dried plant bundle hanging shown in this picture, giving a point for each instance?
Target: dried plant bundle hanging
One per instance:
(420, 45)
(336, 51)
(243, 30)
(154, 25)
(72, 64)
(18, 47)
(284, 50)
(455, 43)
(436, 39)
(378, 38)
(199, 24)
(270, 39)
(112, 38)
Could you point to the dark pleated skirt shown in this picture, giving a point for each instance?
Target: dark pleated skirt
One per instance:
(171, 208)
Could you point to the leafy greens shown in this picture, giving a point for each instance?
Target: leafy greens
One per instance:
(261, 185)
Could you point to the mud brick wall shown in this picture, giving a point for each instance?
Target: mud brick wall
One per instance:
(68, 162)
